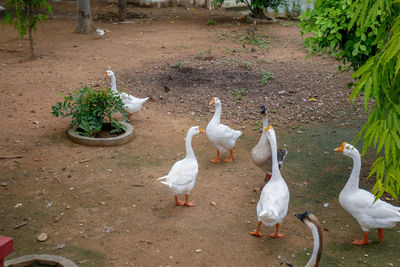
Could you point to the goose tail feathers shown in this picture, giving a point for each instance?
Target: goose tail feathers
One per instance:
(161, 178)
(395, 211)
(166, 183)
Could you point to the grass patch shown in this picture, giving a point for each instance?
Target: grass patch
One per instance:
(266, 76)
(240, 93)
(211, 22)
(260, 40)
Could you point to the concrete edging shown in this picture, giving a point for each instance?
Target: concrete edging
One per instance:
(39, 258)
(112, 141)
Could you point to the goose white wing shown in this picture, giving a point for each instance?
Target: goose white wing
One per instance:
(369, 214)
(127, 98)
(183, 172)
(225, 132)
(222, 136)
(273, 204)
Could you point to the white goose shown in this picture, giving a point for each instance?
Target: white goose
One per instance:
(312, 222)
(274, 199)
(132, 104)
(360, 203)
(223, 137)
(182, 176)
(261, 153)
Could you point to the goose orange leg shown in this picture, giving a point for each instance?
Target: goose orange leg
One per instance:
(380, 234)
(267, 177)
(217, 159)
(257, 232)
(187, 203)
(230, 157)
(276, 234)
(179, 203)
(364, 241)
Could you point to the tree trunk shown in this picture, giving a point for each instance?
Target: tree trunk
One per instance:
(122, 9)
(258, 13)
(208, 4)
(84, 17)
(31, 42)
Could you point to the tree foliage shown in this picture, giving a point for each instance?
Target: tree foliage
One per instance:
(379, 82)
(24, 16)
(329, 24)
(367, 35)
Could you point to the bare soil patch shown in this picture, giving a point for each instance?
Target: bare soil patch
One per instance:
(105, 202)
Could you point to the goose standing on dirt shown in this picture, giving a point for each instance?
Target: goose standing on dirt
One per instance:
(131, 103)
(274, 199)
(360, 203)
(261, 153)
(312, 222)
(223, 137)
(182, 176)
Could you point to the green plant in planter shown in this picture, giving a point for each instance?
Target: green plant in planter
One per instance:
(90, 109)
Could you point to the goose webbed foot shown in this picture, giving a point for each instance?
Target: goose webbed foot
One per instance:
(178, 202)
(187, 203)
(230, 156)
(217, 159)
(257, 232)
(267, 177)
(364, 241)
(276, 234)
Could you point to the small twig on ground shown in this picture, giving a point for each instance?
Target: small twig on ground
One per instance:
(84, 160)
(20, 225)
(138, 185)
(284, 260)
(11, 157)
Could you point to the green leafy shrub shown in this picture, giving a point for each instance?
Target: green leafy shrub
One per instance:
(90, 109)
(328, 22)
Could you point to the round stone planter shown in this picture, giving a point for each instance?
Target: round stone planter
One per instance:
(110, 141)
(40, 260)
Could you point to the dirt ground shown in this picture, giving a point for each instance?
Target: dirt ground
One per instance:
(102, 206)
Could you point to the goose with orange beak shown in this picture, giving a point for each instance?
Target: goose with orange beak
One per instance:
(360, 203)
(131, 103)
(273, 204)
(223, 137)
(312, 222)
(182, 176)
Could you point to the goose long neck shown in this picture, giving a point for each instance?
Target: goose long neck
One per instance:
(265, 124)
(354, 179)
(217, 114)
(113, 84)
(274, 154)
(188, 145)
(317, 250)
